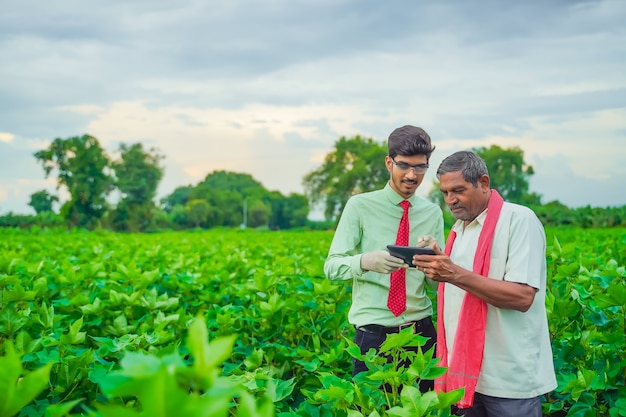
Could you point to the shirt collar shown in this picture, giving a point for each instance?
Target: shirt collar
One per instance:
(396, 198)
(479, 220)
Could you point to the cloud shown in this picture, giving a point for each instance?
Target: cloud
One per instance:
(266, 141)
(267, 88)
(6, 137)
(558, 181)
(20, 191)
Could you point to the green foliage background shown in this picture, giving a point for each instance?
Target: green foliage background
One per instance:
(230, 199)
(79, 302)
(242, 322)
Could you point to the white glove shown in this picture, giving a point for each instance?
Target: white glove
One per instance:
(426, 241)
(381, 261)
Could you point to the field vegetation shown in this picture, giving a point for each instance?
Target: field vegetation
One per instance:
(212, 302)
(242, 322)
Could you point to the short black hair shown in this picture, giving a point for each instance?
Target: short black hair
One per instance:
(408, 141)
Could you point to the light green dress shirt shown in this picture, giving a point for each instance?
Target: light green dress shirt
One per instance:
(369, 222)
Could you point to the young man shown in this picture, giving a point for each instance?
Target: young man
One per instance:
(369, 222)
(491, 316)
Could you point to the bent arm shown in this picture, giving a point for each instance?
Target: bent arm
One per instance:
(501, 294)
(522, 275)
(344, 255)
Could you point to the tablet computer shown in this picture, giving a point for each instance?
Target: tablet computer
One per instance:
(407, 252)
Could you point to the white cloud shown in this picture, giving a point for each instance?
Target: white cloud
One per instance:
(253, 139)
(20, 190)
(272, 99)
(592, 143)
(6, 137)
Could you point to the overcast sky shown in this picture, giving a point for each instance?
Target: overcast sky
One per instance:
(267, 87)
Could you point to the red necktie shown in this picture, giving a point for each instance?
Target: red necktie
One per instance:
(397, 288)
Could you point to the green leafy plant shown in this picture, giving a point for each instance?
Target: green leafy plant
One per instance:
(386, 389)
(18, 387)
(91, 304)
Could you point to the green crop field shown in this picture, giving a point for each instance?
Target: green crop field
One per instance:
(230, 322)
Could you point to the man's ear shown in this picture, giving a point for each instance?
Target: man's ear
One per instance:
(388, 163)
(484, 182)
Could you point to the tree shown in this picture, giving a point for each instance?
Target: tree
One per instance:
(436, 196)
(225, 192)
(258, 214)
(179, 197)
(198, 212)
(178, 216)
(42, 201)
(508, 173)
(296, 210)
(554, 213)
(138, 174)
(288, 212)
(82, 167)
(355, 166)
(228, 208)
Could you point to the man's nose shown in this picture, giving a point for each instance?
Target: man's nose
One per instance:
(411, 173)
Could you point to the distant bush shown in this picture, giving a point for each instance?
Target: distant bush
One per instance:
(557, 214)
(25, 221)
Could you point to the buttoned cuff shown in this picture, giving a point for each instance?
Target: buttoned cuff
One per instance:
(355, 265)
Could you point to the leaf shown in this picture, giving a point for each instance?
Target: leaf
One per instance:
(11, 322)
(309, 366)
(11, 370)
(433, 372)
(428, 401)
(207, 355)
(446, 399)
(95, 308)
(248, 407)
(354, 351)
(154, 383)
(277, 390)
(18, 293)
(400, 340)
(61, 409)
(75, 335)
(410, 398)
(29, 387)
(614, 295)
(135, 367)
(16, 393)
(402, 412)
(117, 411)
(620, 404)
(45, 315)
(254, 360)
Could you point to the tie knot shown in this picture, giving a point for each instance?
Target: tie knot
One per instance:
(405, 204)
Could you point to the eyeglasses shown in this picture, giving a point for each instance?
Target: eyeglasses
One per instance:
(403, 166)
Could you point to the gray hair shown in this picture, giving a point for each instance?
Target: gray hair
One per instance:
(471, 166)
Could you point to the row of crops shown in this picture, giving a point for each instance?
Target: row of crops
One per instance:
(232, 322)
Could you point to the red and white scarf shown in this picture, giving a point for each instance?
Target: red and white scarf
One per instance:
(469, 342)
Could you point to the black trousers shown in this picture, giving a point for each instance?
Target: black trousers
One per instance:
(374, 338)
(487, 406)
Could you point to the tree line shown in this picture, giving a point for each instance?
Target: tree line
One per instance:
(93, 178)
(355, 165)
(130, 178)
